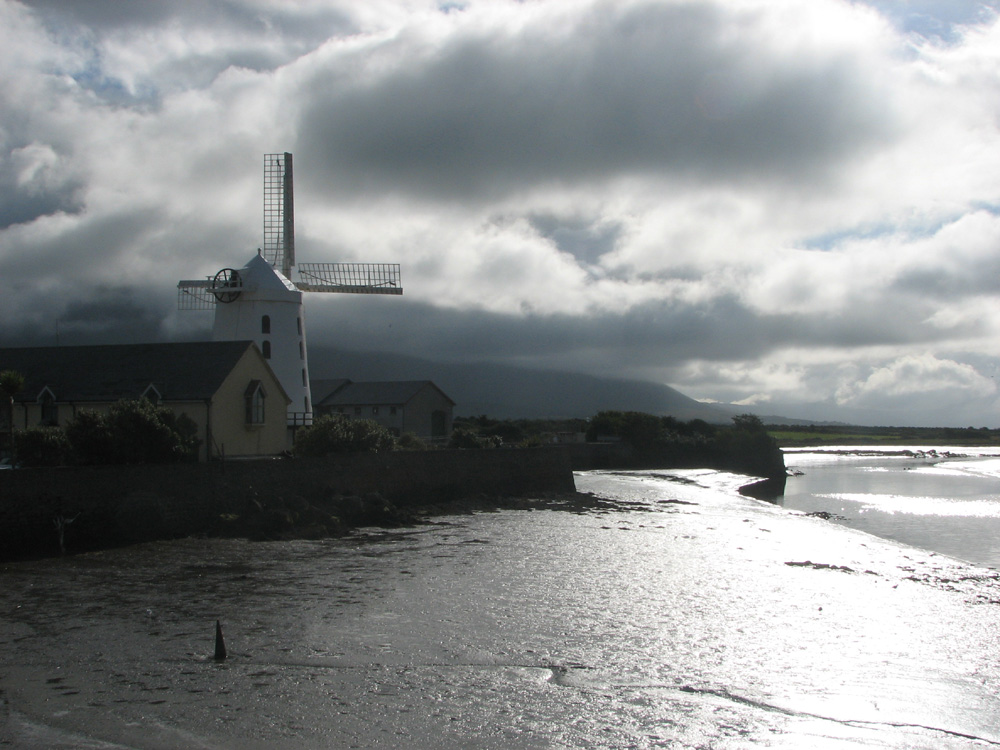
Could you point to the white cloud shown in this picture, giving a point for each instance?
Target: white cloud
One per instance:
(746, 199)
(917, 376)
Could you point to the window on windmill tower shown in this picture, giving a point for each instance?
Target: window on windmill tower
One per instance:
(265, 324)
(302, 350)
(265, 349)
(254, 400)
(298, 322)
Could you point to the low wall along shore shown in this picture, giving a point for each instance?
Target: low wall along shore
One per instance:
(104, 506)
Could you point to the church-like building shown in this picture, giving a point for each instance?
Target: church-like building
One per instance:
(226, 388)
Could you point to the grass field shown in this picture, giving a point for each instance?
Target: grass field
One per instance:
(793, 436)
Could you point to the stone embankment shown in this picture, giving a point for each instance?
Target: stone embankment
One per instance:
(46, 511)
(72, 509)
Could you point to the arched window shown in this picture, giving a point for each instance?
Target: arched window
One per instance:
(304, 376)
(265, 324)
(299, 323)
(302, 350)
(49, 410)
(265, 349)
(254, 400)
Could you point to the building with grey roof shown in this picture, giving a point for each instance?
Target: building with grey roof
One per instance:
(226, 387)
(403, 406)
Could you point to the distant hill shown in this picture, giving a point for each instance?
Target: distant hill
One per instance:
(506, 392)
(775, 419)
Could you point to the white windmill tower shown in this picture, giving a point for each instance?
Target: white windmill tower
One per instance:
(261, 303)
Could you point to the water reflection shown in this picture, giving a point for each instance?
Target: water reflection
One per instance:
(950, 506)
(677, 623)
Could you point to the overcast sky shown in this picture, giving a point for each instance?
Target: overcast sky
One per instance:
(766, 202)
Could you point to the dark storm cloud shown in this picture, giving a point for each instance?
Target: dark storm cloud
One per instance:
(254, 37)
(316, 23)
(106, 13)
(581, 238)
(19, 205)
(34, 180)
(657, 332)
(96, 244)
(107, 315)
(682, 89)
(957, 282)
(110, 316)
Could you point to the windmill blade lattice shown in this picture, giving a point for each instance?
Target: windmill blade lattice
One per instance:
(350, 278)
(195, 294)
(279, 212)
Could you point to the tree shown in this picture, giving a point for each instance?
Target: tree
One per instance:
(637, 429)
(11, 383)
(132, 432)
(42, 446)
(337, 433)
(748, 422)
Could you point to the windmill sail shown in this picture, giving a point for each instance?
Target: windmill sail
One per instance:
(279, 212)
(195, 294)
(350, 278)
(260, 302)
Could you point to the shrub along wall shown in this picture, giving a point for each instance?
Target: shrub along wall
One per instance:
(112, 505)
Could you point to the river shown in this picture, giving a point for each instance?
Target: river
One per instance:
(944, 499)
(690, 617)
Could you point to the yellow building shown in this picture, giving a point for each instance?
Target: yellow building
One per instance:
(226, 388)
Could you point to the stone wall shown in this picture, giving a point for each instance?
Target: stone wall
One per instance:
(110, 505)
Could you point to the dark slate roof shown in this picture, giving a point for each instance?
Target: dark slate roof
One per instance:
(322, 389)
(180, 372)
(386, 393)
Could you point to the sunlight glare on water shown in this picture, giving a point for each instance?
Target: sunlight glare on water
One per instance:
(922, 506)
(945, 499)
(690, 617)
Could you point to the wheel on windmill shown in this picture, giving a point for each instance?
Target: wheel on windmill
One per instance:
(226, 285)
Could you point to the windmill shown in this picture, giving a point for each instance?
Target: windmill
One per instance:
(261, 303)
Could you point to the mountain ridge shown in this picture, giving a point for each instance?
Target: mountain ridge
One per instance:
(509, 392)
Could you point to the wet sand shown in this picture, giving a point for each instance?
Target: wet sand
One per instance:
(679, 614)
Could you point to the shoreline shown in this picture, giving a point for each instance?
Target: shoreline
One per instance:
(340, 516)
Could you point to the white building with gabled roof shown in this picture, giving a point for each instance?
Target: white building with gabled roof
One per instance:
(226, 388)
(403, 406)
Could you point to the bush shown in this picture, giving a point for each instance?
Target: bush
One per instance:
(132, 432)
(44, 446)
(410, 442)
(339, 434)
(462, 439)
(90, 438)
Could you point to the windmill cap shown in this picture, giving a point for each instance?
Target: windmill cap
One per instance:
(260, 275)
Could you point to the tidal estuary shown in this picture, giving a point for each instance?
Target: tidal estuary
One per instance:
(692, 617)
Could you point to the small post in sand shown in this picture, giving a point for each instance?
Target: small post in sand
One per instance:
(220, 644)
